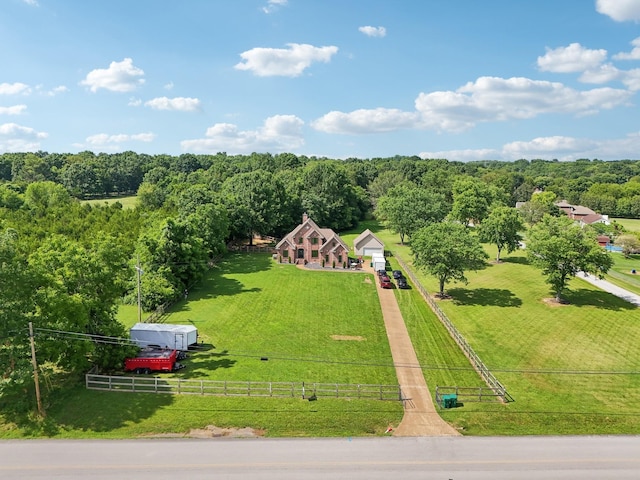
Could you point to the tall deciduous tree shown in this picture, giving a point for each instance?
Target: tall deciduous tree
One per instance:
(559, 247)
(501, 228)
(447, 250)
(406, 209)
(472, 200)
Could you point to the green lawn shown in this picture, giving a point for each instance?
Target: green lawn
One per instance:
(313, 326)
(571, 369)
(630, 224)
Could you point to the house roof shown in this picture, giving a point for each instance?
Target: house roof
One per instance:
(364, 237)
(592, 218)
(327, 234)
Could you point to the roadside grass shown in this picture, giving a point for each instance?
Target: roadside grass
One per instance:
(621, 274)
(90, 414)
(130, 201)
(571, 369)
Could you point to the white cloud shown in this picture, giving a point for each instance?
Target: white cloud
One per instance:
(499, 99)
(13, 110)
(488, 99)
(272, 5)
(169, 86)
(601, 74)
(634, 54)
(33, 3)
(291, 62)
(134, 102)
(57, 90)
(366, 121)
(373, 31)
(182, 104)
(17, 138)
(14, 89)
(632, 79)
(548, 148)
(119, 77)
(619, 10)
(574, 58)
(278, 133)
(105, 141)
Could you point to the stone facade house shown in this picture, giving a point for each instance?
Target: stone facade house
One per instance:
(308, 243)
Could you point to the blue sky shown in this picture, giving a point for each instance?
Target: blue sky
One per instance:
(456, 79)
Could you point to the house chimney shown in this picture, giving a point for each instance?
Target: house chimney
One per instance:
(305, 217)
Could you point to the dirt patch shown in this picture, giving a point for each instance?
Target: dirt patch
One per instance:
(552, 302)
(367, 280)
(211, 431)
(356, 338)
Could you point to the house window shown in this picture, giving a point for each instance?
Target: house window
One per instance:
(300, 240)
(314, 240)
(285, 253)
(326, 258)
(339, 258)
(314, 253)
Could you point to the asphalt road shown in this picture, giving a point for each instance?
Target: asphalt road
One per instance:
(455, 458)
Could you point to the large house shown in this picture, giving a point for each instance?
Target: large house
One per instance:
(308, 243)
(582, 214)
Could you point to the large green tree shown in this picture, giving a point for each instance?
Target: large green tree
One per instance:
(447, 250)
(502, 228)
(472, 200)
(561, 249)
(405, 209)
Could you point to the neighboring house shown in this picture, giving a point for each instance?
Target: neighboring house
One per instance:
(604, 240)
(366, 244)
(581, 214)
(308, 243)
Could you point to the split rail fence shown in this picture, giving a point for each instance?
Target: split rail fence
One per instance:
(484, 372)
(146, 384)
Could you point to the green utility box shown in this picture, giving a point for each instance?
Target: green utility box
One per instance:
(449, 401)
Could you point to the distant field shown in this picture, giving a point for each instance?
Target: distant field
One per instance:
(631, 224)
(127, 202)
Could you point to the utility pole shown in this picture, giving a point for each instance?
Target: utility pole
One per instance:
(139, 272)
(35, 370)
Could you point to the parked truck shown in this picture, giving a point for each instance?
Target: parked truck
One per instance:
(153, 360)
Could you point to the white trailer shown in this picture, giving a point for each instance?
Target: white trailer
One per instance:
(378, 262)
(177, 337)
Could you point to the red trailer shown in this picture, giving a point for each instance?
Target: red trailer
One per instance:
(149, 360)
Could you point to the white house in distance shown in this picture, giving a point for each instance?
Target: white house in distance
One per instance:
(366, 244)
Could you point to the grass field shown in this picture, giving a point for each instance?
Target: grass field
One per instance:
(571, 369)
(323, 327)
(127, 202)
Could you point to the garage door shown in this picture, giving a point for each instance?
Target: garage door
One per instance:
(370, 251)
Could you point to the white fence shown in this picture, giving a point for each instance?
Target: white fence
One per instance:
(147, 384)
(491, 381)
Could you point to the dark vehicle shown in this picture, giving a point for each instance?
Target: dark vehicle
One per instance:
(402, 283)
(381, 273)
(385, 282)
(397, 274)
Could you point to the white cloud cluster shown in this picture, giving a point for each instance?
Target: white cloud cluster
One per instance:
(548, 148)
(370, 31)
(278, 133)
(14, 89)
(119, 77)
(574, 58)
(634, 54)
(105, 141)
(289, 62)
(620, 10)
(181, 104)
(17, 138)
(488, 99)
(13, 110)
(365, 121)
